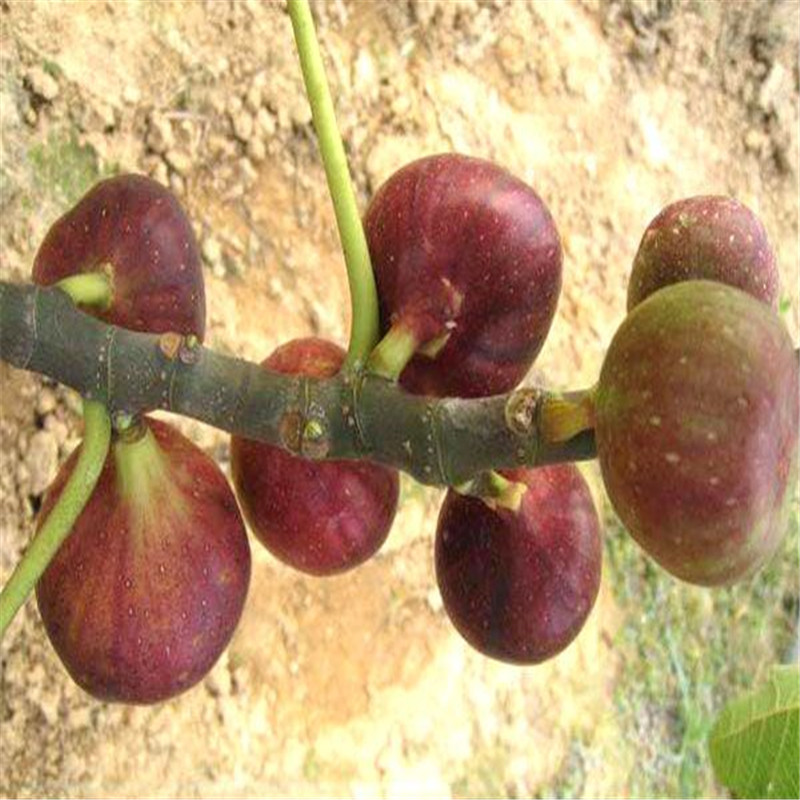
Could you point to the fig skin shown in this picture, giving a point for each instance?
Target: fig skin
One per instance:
(519, 586)
(138, 227)
(320, 517)
(461, 248)
(696, 429)
(705, 238)
(147, 590)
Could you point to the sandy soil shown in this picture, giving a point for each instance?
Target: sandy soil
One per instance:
(357, 685)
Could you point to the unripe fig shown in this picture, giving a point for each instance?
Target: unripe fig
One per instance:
(320, 517)
(135, 228)
(145, 593)
(518, 586)
(705, 238)
(696, 427)
(467, 261)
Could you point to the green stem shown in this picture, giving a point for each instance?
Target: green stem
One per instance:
(495, 490)
(88, 289)
(563, 417)
(363, 295)
(392, 353)
(62, 517)
(140, 465)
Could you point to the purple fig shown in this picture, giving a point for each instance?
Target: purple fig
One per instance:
(518, 586)
(320, 517)
(705, 238)
(696, 428)
(467, 261)
(145, 593)
(136, 228)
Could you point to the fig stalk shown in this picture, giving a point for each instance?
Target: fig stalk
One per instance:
(88, 289)
(562, 417)
(138, 462)
(393, 352)
(495, 490)
(56, 528)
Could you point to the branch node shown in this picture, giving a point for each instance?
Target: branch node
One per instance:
(121, 421)
(170, 344)
(189, 351)
(354, 380)
(290, 429)
(521, 409)
(315, 441)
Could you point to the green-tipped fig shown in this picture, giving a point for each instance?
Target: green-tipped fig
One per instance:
(146, 591)
(705, 238)
(696, 426)
(135, 229)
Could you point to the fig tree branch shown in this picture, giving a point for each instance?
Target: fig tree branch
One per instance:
(352, 416)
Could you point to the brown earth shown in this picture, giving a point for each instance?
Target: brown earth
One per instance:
(357, 685)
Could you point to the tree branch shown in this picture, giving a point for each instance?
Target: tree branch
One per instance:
(437, 441)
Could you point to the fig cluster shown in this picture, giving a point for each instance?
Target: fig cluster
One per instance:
(695, 415)
(145, 593)
(696, 409)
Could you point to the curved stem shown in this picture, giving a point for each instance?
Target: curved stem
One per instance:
(65, 512)
(495, 490)
(88, 289)
(393, 352)
(363, 295)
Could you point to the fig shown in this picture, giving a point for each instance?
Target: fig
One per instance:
(467, 262)
(705, 238)
(133, 227)
(696, 428)
(519, 586)
(320, 517)
(145, 593)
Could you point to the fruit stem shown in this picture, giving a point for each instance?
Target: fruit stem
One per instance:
(65, 512)
(495, 490)
(393, 352)
(561, 417)
(139, 463)
(88, 289)
(363, 294)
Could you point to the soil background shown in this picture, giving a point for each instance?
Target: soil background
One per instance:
(358, 686)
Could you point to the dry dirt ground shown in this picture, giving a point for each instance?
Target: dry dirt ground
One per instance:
(357, 685)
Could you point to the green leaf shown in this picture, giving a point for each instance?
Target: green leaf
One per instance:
(755, 742)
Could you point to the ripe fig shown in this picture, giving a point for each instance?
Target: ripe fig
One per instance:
(136, 228)
(320, 517)
(518, 586)
(705, 238)
(696, 428)
(467, 262)
(145, 593)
